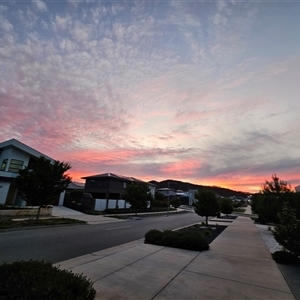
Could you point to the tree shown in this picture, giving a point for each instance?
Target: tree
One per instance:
(45, 182)
(137, 194)
(159, 196)
(206, 205)
(287, 232)
(269, 202)
(226, 206)
(176, 202)
(276, 186)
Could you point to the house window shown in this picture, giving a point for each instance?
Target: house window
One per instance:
(15, 165)
(4, 164)
(124, 185)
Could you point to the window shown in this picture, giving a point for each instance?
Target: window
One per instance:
(4, 164)
(90, 182)
(15, 165)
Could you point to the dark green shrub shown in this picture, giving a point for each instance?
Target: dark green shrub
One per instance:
(190, 240)
(284, 257)
(159, 203)
(287, 232)
(170, 239)
(153, 236)
(29, 280)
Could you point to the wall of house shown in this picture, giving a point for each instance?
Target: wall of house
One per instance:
(100, 187)
(5, 154)
(100, 204)
(13, 153)
(4, 187)
(8, 191)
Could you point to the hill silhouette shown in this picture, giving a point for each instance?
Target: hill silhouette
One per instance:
(185, 186)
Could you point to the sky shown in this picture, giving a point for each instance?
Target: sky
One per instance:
(200, 91)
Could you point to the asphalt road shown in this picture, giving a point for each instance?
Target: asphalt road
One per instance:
(56, 244)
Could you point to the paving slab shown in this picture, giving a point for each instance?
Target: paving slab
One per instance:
(249, 271)
(239, 250)
(145, 278)
(194, 286)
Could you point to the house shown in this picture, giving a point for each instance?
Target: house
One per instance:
(297, 189)
(65, 197)
(109, 186)
(14, 156)
(167, 192)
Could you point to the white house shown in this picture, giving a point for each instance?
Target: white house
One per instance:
(14, 156)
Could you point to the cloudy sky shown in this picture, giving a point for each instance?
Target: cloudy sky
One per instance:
(198, 91)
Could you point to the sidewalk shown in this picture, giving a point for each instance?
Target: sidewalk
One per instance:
(237, 266)
(64, 212)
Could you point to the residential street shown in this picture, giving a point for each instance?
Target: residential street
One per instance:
(64, 242)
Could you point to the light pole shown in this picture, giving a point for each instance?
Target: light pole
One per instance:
(168, 198)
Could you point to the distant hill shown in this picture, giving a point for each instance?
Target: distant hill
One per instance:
(185, 186)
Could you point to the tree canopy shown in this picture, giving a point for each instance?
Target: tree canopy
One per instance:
(137, 194)
(226, 206)
(269, 202)
(276, 186)
(206, 204)
(40, 185)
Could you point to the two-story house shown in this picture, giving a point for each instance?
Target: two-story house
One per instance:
(111, 186)
(14, 156)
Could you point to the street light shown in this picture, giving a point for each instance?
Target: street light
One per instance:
(168, 198)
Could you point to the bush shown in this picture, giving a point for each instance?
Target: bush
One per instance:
(159, 203)
(40, 280)
(287, 233)
(153, 236)
(190, 240)
(284, 257)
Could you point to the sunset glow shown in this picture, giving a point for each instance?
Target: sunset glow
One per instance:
(205, 91)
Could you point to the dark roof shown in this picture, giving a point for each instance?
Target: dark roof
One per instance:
(75, 185)
(21, 146)
(115, 176)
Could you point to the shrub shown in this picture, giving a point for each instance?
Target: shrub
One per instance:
(287, 233)
(158, 203)
(190, 240)
(153, 236)
(40, 280)
(284, 257)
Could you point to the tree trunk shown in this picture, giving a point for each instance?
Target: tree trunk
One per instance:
(206, 221)
(38, 213)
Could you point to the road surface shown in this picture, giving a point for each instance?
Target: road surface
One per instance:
(56, 244)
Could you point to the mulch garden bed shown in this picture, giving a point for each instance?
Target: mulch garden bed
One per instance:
(215, 230)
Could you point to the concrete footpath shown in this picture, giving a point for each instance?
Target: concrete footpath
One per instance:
(237, 266)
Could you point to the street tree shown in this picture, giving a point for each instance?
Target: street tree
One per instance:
(226, 206)
(269, 202)
(138, 195)
(176, 202)
(44, 182)
(206, 205)
(276, 186)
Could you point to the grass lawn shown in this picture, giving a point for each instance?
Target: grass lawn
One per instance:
(7, 223)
